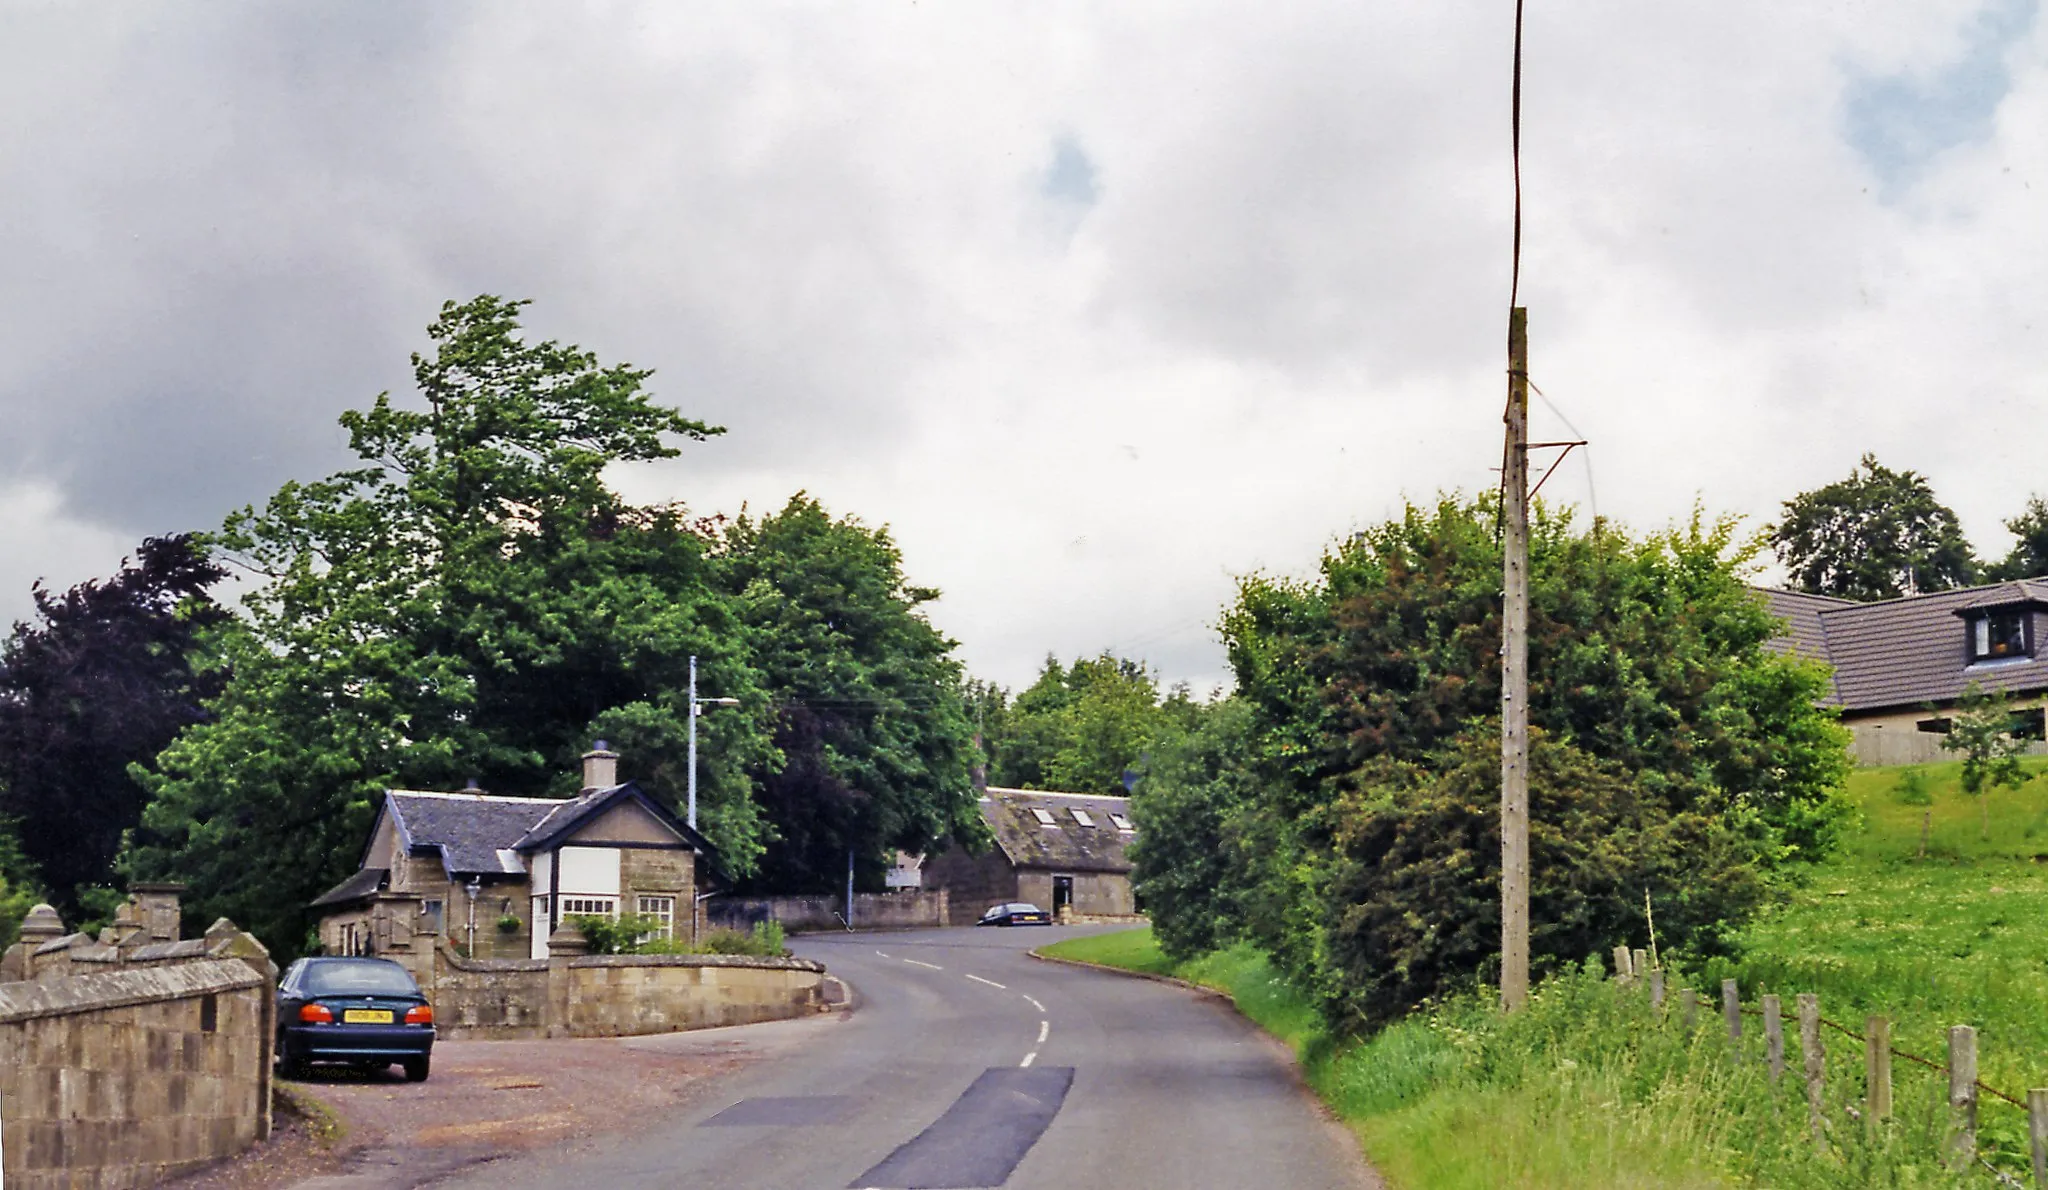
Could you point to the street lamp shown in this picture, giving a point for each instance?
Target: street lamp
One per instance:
(696, 709)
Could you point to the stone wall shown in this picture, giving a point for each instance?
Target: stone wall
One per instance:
(578, 995)
(131, 1058)
(916, 910)
(973, 882)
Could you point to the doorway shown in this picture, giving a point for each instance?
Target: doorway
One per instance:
(1062, 893)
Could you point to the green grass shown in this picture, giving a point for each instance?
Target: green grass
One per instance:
(1591, 1088)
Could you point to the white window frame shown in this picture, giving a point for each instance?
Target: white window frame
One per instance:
(661, 908)
(1122, 823)
(1044, 816)
(589, 906)
(1081, 816)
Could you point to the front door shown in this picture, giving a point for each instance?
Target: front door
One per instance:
(539, 949)
(1062, 894)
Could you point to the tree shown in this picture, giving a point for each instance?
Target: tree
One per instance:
(869, 720)
(1981, 730)
(103, 680)
(2028, 557)
(18, 890)
(1085, 727)
(1874, 535)
(1370, 693)
(472, 600)
(1193, 811)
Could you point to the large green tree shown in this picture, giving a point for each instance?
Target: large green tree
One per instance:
(869, 719)
(472, 600)
(1088, 727)
(101, 679)
(1874, 535)
(1370, 694)
(2028, 557)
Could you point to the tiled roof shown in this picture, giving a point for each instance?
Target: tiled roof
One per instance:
(1911, 651)
(362, 885)
(468, 830)
(1066, 845)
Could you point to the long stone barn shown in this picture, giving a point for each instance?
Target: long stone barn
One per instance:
(1059, 851)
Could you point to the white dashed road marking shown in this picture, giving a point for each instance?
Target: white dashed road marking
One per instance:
(883, 955)
(990, 982)
(1034, 1004)
(932, 966)
(1029, 1058)
(1044, 1027)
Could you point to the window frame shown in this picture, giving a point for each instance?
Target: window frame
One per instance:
(569, 905)
(1981, 643)
(663, 910)
(1044, 816)
(1082, 816)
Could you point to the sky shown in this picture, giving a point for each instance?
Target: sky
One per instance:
(1097, 307)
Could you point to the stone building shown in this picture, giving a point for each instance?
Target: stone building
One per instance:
(1059, 851)
(494, 876)
(1901, 665)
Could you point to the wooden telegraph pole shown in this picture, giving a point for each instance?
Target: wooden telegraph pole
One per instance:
(1514, 676)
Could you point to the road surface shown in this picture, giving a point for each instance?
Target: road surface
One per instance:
(967, 1063)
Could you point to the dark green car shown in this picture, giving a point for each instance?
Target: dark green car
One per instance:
(366, 1013)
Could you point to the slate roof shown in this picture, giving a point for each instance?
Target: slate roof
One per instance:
(359, 887)
(569, 815)
(1912, 651)
(473, 833)
(1067, 846)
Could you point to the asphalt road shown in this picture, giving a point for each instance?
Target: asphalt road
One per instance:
(967, 1063)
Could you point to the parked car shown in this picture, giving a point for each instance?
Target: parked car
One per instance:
(1016, 913)
(367, 1013)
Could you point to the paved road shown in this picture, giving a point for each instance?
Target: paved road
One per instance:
(967, 1063)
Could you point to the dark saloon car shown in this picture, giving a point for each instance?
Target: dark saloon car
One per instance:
(367, 1013)
(1016, 913)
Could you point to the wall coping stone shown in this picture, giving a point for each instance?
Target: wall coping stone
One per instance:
(120, 989)
(190, 948)
(65, 943)
(762, 962)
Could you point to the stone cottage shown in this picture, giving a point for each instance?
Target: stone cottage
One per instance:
(493, 876)
(1059, 851)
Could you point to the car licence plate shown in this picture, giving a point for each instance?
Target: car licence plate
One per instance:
(366, 1016)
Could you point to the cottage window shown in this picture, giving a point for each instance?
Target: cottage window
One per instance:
(663, 910)
(1081, 816)
(2001, 634)
(1044, 817)
(431, 910)
(590, 907)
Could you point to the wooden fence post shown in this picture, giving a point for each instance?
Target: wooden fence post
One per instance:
(1962, 1093)
(1877, 1071)
(1689, 1008)
(2037, 1132)
(1656, 987)
(1731, 1011)
(1816, 1064)
(1623, 969)
(1774, 1037)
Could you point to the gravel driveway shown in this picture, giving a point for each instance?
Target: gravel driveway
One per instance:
(495, 1098)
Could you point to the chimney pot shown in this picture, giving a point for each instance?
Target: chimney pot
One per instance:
(600, 768)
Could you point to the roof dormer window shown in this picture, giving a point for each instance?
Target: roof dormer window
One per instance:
(1999, 634)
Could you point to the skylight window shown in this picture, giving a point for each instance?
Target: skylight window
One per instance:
(1044, 817)
(1081, 816)
(1122, 823)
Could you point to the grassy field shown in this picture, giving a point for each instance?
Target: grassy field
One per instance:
(1590, 1088)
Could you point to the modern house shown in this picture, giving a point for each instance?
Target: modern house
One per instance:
(495, 875)
(1901, 665)
(1060, 851)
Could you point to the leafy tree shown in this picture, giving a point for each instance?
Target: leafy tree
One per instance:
(1193, 811)
(873, 736)
(103, 679)
(18, 889)
(1083, 727)
(2028, 557)
(1912, 790)
(1369, 688)
(1873, 535)
(1981, 730)
(472, 600)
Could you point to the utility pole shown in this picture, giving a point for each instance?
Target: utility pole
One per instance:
(693, 742)
(1514, 676)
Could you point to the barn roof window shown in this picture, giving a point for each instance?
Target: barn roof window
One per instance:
(1122, 823)
(1044, 817)
(1081, 816)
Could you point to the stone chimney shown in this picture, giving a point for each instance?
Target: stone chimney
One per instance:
(600, 767)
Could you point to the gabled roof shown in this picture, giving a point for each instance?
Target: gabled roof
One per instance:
(359, 887)
(1066, 846)
(567, 816)
(471, 832)
(1911, 651)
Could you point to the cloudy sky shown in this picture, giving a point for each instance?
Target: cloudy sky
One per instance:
(1096, 305)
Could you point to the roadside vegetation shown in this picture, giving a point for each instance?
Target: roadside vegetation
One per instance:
(633, 934)
(1590, 1087)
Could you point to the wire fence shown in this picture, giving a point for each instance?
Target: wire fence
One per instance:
(1965, 1089)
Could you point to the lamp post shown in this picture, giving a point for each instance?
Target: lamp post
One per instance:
(696, 709)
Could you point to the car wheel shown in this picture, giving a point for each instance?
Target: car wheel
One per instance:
(416, 1070)
(290, 1065)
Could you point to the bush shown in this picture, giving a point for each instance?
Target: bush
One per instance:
(630, 934)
